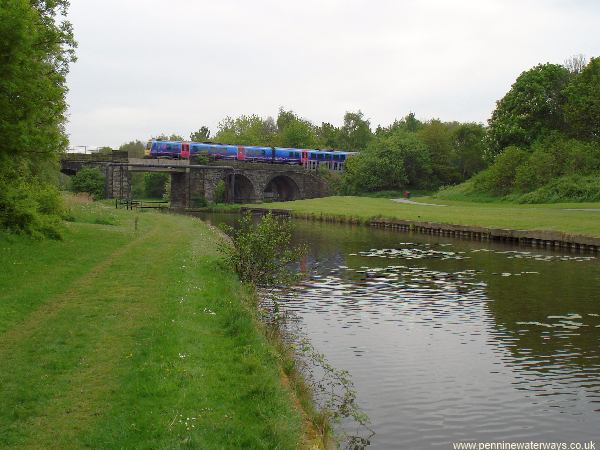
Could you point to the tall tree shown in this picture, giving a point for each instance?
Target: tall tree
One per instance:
(36, 48)
(247, 130)
(469, 149)
(328, 136)
(356, 133)
(135, 149)
(531, 108)
(582, 110)
(575, 63)
(293, 131)
(202, 135)
(437, 136)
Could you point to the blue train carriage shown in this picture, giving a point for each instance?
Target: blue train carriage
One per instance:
(311, 158)
(163, 149)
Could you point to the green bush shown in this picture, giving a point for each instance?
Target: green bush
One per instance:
(31, 208)
(262, 253)
(573, 188)
(138, 187)
(154, 184)
(499, 178)
(90, 180)
(220, 192)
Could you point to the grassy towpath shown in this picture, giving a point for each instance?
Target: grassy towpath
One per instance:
(124, 338)
(555, 217)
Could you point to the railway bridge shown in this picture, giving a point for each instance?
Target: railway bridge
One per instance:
(193, 184)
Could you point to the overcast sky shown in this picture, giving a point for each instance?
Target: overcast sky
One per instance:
(147, 66)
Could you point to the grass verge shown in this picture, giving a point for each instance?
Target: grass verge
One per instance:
(556, 217)
(131, 334)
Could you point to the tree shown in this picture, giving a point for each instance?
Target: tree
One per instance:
(166, 137)
(355, 134)
(155, 183)
(389, 163)
(90, 180)
(293, 131)
(134, 149)
(328, 136)
(582, 109)
(575, 63)
(437, 136)
(469, 149)
(202, 135)
(531, 108)
(36, 48)
(247, 130)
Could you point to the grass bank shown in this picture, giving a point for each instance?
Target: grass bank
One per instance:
(556, 217)
(130, 334)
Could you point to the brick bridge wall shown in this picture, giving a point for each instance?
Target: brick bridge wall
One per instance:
(188, 189)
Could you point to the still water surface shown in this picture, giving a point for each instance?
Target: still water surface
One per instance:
(450, 340)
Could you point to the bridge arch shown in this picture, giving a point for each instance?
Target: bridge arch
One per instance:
(281, 188)
(239, 189)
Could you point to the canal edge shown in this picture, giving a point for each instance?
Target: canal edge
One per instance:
(532, 238)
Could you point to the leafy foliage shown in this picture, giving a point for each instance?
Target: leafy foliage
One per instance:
(582, 109)
(90, 180)
(247, 130)
(220, 193)
(389, 162)
(544, 136)
(202, 135)
(570, 188)
(356, 133)
(155, 184)
(261, 253)
(531, 108)
(134, 149)
(36, 48)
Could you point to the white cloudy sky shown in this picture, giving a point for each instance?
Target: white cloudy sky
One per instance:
(148, 66)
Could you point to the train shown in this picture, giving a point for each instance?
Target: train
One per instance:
(214, 151)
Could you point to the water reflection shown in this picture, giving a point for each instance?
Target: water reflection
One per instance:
(451, 340)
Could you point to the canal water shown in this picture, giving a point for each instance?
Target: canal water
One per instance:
(452, 340)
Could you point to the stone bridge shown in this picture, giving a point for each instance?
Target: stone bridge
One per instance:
(193, 184)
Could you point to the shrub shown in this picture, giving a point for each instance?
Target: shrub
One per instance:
(138, 187)
(499, 178)
(220, 192)
(573, 188)
(154, 184)
(90, 180)
(28, 208)
(261, 253)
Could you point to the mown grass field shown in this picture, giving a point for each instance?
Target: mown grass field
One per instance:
(124, 338)
(554, 217)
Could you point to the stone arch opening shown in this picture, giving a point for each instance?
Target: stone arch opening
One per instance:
(281, 189)
(239, 189)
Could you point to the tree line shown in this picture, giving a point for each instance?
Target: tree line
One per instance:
(543, 138)
(546, 128)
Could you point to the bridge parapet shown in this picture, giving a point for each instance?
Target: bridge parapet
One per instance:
(194, 184)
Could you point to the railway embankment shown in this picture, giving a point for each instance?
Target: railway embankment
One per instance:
(566, 226)
(130, 333)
